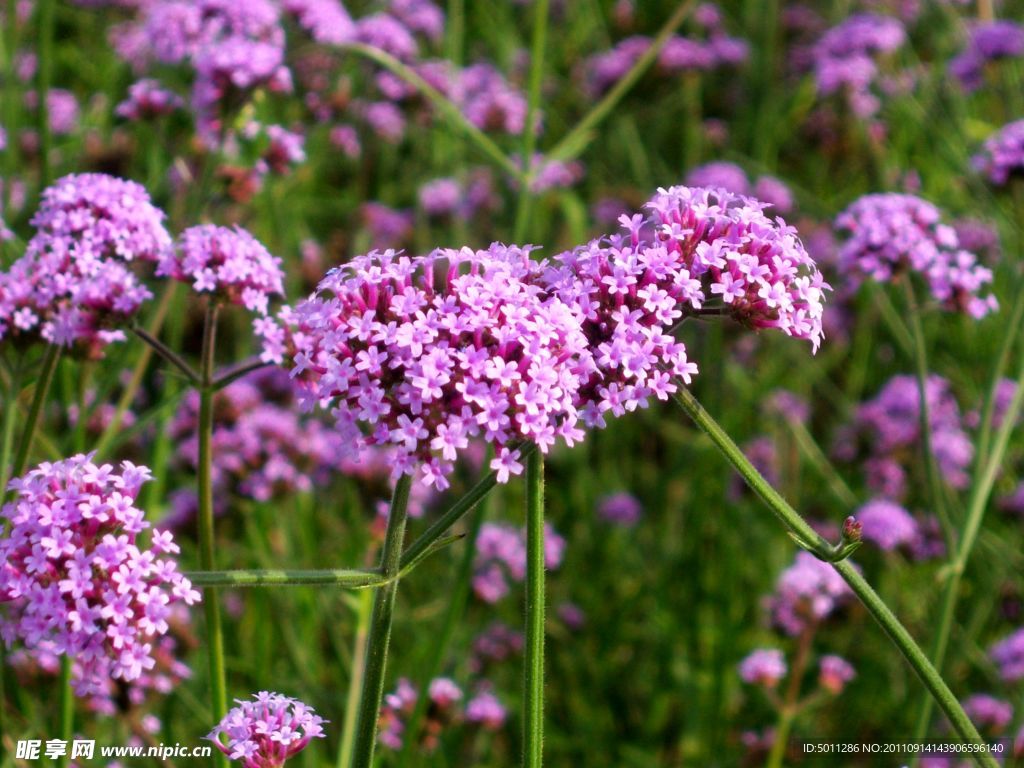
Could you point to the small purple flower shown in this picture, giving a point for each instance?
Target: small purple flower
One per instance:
(147, 99)
(990, 714)
(621, 508)
(266, 731)
(1002, 156)
(485, 710)
(445, 697)
(987, 42)
(1008, 655)
(834, 672)
(845, 57)
(765, 667)
(806, 593)
(887, 524)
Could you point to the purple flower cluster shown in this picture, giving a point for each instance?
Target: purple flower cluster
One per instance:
(889, 427)
(74, 284)
(889, 234)
(147, 99)
(986, 42)
(75, 576)
(834, 672)
(1002, 156)
(806, 593)
(1008, 655)
(266, 731)
(764, 667)
(845, 58)
(445, 709)
(326, 21)
(620, 508)
(497, 643)
(731, 177)
(427, 353)
(990, 714)
(707, 48)
(501, 556)
(448, 197)
(230, 263)
(887, 524)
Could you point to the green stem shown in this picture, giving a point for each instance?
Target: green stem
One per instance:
(67, 707)
(211, 601)
(802, 532)
(44, 76)
(456, 605)
(976, 507)
(935, 489)
(790, 706)
(540, 30)
(1005, 348)
(10, 408)
(355, 683)
(440, 102)
(573, 143)
(380, 627)
(455, 513)
(533, 679)
(35, 412)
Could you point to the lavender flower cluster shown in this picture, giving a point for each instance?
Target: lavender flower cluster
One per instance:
(845, 58)
(266, 731)
(501, 557)
(807, 593)
(229, 263)
(75, 578)
(889, 234)
(75, 283)
(1002, 156)
(444, 711)
(986, 42)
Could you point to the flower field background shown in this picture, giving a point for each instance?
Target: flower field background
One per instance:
(475, 384)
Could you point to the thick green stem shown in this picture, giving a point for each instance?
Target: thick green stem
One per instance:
(540, 31)
(380, 628)
(364, 606)
(533, 678)
(455, 513)
(935, 489)
(35, 412)
(976, 507)
(800, 530)
(573, 143)
(211, 600)
(456, 605)
(44, 76)
(67, 707)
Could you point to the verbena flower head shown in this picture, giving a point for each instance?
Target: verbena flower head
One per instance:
(501, 557)
(765, 667)
(74, 285)
(696, 248)
(889, 427)
(444, 710)
(327, 21)
(990, 714)
(486, 710)
(75, 575)
(1002, 156)
(267, 730)
(887, 524)
(622, 508)
(806, 593)
(229, 263)
(834, 672)
(425, 354)
(1008, 655)
(987, 42)
(889, 234)
(148, 99)
(845, 57)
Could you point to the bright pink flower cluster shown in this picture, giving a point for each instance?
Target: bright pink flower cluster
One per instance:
(74, 284)
(765, 666)
(227, 262)
(267, 731)
(427, 353)
(889, 233)
(75, 576)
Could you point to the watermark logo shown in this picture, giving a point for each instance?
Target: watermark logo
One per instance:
(85, 749)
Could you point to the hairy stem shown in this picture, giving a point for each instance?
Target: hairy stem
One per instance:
(364, 606)
(533, 678)
(207, 544)
(380, 627)
(800, 530)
